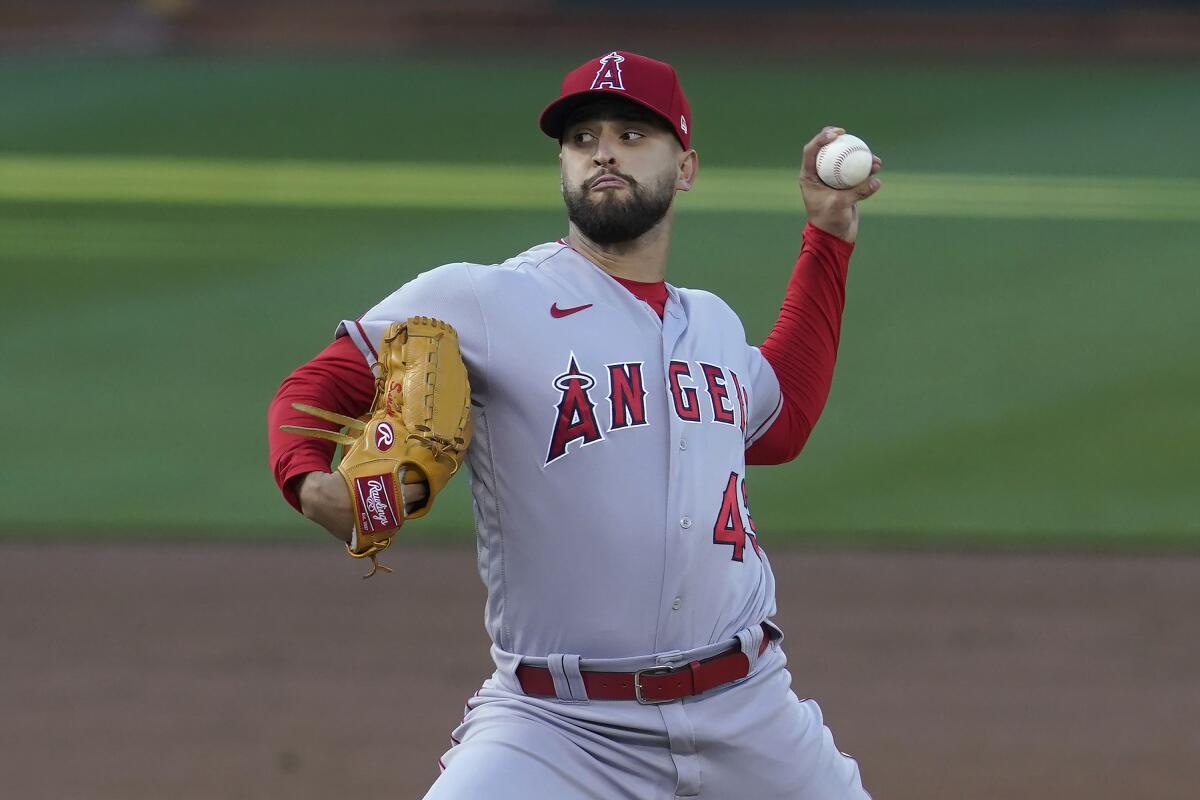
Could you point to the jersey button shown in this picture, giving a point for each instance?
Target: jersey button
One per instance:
(685, 523)
(675, 606)
(683, 444)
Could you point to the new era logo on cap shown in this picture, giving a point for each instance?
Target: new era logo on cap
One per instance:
(649, 83)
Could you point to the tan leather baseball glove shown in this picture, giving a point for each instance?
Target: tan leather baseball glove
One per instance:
(417, 430)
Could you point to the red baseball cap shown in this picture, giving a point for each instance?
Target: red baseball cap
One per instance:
(649, 83)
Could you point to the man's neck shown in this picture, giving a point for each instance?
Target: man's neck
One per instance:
(643, 259)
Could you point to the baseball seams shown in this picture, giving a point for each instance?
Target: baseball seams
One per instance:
(837, 164)
(831, 172)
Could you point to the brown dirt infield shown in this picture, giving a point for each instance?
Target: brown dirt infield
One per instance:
(265, 671)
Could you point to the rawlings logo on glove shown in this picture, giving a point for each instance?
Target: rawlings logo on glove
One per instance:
(378, 504)
(384, 436)
(419, 424)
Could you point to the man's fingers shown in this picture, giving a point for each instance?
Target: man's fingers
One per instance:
(808, 167)
(867, 188)
(871, 185)
(415, 492)
(414, 495)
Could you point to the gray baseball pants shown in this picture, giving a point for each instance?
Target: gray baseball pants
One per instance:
(750, 740)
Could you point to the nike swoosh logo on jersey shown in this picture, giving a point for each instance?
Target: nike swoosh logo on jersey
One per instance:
(559, 313)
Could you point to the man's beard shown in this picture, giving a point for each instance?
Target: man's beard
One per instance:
(607, 220)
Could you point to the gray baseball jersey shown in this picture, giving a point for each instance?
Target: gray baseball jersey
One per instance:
(608, 463)
(608, 476)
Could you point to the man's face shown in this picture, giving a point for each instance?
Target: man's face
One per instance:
(619, 175)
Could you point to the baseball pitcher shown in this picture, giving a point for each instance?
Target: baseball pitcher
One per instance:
(607, 418)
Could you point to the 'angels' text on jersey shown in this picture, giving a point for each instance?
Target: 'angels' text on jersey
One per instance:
(576, 418)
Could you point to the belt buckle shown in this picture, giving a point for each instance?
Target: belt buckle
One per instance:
(637, 684)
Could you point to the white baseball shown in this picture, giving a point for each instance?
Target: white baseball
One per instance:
(844, 162)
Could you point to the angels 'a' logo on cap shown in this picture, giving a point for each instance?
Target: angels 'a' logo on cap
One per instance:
(609, 74)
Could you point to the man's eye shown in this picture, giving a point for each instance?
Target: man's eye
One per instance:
(632, 135)
(582, 138)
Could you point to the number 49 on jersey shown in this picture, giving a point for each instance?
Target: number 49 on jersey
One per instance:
(729, 527)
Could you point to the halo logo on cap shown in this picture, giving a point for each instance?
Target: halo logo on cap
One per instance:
(609, 74)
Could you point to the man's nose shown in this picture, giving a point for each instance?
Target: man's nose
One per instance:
(605, 155)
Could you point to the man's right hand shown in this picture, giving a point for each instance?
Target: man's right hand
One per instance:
(832, 210)
(325, 500)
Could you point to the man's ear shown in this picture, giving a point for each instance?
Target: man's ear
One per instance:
(689, 165)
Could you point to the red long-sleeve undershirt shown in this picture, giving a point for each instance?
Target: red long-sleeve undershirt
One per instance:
(801, 348)
(802, 345)
(338, 379)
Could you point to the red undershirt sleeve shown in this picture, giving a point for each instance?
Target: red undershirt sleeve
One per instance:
(338, 379)
(802, 346)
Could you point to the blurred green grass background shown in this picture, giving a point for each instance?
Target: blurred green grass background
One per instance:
(1001, 381)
